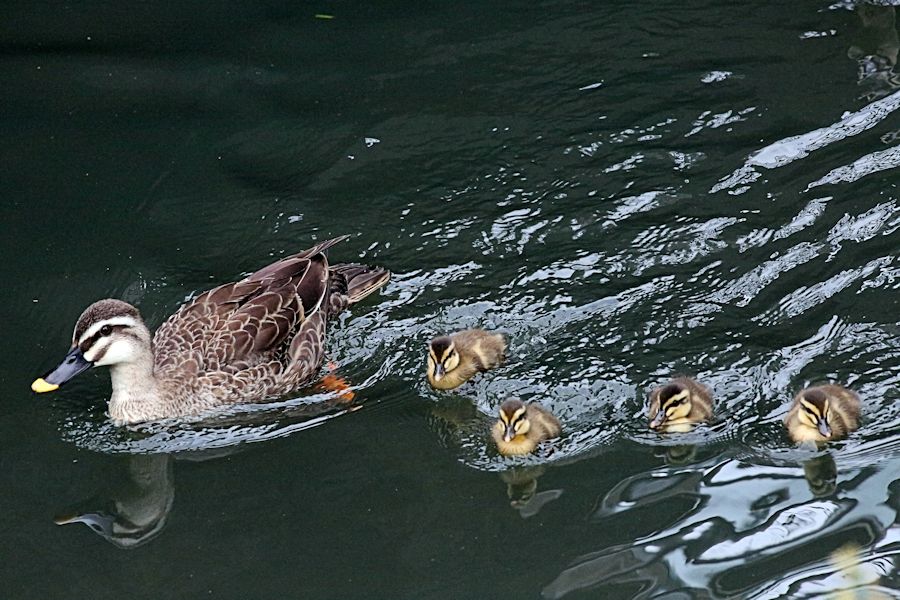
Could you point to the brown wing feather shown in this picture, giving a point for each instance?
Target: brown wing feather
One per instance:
(311, 288)
(307, 348)
(283, 268)
(181, 338)
(267, 319)
(244, 323)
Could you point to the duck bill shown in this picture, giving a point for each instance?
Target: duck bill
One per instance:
(824, 429)
(658, 420)
(439, 371)
(73, 364)
(509, 434)
(99, 522)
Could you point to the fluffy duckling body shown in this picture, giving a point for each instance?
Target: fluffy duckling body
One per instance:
(679, 405)
(454, 359)
(522, 427)
(822, 414)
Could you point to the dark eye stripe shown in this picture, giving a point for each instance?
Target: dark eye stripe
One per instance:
(101, 354)
(672, 403)
(88, 343)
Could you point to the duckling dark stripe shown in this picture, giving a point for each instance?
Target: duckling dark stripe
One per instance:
(810, 408)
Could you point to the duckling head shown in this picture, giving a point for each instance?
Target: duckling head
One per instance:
(513, 419)
(442, 357)
(673, 403)
(108, 333)
(814, 411)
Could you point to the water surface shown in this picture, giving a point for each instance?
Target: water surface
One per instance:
(629, 192)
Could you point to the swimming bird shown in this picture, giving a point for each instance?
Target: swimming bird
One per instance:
(454, 359)
(257, 338)
(522, 427)
(822, 414)
(678, 405)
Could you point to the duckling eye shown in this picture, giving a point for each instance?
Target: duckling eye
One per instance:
(105, 330)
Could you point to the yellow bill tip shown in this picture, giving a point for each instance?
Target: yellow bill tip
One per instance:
(40, 386)
(65, 519)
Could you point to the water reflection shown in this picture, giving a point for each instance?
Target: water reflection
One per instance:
(678, 454)
(134, 508)
(875, 49)
(821, 475)
(723, 521)
(522, 490)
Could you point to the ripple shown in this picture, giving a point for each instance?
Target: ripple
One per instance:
(861, 167)
(790, 149)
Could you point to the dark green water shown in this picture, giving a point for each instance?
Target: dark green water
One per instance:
(630, 191)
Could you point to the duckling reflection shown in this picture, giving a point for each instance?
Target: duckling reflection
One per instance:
(821, 475)
(679, 454)
(521, 489)
(137, 508)
(452, 415)
(454, 359)
(679, 405)
(875, 50)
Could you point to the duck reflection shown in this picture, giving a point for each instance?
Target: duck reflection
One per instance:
(521, 489)
(134, 509)
(874, 49)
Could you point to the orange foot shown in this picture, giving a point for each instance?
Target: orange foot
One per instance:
(338, 385)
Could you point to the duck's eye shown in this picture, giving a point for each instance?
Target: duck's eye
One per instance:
(106, 330)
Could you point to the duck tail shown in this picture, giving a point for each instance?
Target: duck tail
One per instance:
(360, 280)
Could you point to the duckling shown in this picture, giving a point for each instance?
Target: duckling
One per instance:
(454, 359)
(679, 405)
(822, 414)
(523, 426)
